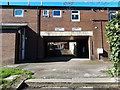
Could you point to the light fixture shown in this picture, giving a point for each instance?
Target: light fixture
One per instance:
(96, 27)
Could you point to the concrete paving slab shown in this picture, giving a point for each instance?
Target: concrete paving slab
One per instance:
(49, 81)
(60, 88)
(12, 77)
(74, 80)
(94, 80)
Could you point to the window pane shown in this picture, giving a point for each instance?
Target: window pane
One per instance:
(45, 12)
(56, 13)
(18, 12)
(75, 17)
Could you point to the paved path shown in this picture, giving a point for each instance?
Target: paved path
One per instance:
(67, 69)
(75, 82)
(66, 88)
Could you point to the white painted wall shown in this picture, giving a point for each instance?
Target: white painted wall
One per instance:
(72, 47)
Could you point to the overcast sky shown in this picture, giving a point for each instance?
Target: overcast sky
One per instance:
(60, 0)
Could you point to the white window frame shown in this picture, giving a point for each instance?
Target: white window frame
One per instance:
(75, 14)
(19, 15)
(56, 16)
(47, 13)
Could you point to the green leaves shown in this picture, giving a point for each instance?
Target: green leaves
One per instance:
(113, 38)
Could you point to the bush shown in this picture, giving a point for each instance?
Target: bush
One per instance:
(113, 38)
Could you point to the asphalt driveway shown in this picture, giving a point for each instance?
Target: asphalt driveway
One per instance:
(67, 69)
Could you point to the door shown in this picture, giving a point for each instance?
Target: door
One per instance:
(82, 49)
(23, 45)
(21, 48)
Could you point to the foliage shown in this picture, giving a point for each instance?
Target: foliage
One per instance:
(30, 77)
(6, 72)
(113, 38)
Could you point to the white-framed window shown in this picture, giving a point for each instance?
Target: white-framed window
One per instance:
(18, 12)
(46, 13)
(75, 15)
(112, 14)
(56, 13)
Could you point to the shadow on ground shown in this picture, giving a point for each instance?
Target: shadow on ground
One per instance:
(64, 58)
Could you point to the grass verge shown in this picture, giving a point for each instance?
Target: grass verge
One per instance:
(6, 72)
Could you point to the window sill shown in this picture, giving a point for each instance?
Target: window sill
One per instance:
(74, 21)
(56, 16)
(18, 16)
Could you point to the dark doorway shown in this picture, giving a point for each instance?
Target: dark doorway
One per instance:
(83, 49)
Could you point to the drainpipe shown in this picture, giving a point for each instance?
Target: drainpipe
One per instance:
(102, 34)
(101, 29)
(38, 31)
(8, 3)
(108, 13)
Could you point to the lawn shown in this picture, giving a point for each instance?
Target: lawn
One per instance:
(6, 72)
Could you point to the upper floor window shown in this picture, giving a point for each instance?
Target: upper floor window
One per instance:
(56, 13)
(46, 13)
(75, 15)
(18, 12)
(112, 14)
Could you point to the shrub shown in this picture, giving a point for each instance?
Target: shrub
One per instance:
(113, 38)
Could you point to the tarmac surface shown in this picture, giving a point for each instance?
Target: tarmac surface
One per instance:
(65, 68)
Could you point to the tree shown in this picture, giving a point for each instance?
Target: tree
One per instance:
(113, 38)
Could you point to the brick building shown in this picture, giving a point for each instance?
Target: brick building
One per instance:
(28, 28)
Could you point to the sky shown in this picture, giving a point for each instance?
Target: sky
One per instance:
(60, 0)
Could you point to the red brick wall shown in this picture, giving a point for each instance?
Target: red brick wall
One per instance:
(8, 47)
(65, 21)
(29, 17)
(49, 24)
(86, 23)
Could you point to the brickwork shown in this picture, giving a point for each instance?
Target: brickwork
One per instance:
(29, 17)
(86, 16)
(8, 47)
(86, 23)
(34, 44)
